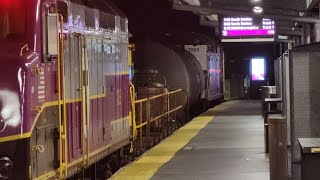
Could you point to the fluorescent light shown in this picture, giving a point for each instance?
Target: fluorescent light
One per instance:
(258, 9)
(193, 2)
(256, 1)
(213, 17)
(248, 40)
(282, 37)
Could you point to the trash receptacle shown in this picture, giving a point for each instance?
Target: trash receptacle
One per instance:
(310, 158)
(278, 148)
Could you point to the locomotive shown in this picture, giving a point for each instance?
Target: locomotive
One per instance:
(64, 87)
(65, 96)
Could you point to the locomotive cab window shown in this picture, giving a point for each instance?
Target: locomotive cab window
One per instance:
(13, 14)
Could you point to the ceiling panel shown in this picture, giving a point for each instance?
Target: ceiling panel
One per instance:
(271, 7)
(281, 4)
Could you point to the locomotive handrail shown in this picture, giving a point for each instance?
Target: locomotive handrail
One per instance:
(85, 77)
(25, 47)
(157, 96)
(62, 101)
(157, 112)
(59, 112)
(133, 114)
(166, 113)
(165, 94)
(141, 125)
(141, 100)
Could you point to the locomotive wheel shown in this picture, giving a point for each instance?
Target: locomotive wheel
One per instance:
(124, 159)
(108, 171)
(114, 164)
(104, 171)
(108, 174)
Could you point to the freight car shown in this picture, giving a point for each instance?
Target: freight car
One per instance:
(179, 67)
(191, 62)
(210, 55)
(64, 88)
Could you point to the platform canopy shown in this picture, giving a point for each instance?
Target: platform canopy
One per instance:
(289, 15)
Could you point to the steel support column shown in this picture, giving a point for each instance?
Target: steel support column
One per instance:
(306, 34)
(316, 30)
(290, 33)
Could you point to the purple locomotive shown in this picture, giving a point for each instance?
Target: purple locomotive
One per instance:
(64, 88)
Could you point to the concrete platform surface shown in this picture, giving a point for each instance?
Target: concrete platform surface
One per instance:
(229, 145)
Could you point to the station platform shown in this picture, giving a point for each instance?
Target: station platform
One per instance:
(224, 143)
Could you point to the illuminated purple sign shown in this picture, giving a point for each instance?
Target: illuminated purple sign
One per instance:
(246, 26)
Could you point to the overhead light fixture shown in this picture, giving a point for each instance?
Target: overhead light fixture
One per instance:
(283, 37)
(213, 17)
(257, 10)
(255, 1)
(193, 2)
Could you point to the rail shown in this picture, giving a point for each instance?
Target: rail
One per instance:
(155, 118)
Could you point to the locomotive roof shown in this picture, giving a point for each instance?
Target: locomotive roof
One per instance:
(102, 5)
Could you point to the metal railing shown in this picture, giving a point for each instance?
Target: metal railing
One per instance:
(155, 118)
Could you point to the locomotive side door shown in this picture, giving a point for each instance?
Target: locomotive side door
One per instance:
(70, 114)
(44, 148)
(75, 90)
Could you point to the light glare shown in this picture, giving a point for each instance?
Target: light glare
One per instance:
(258, 69)
(258, 9)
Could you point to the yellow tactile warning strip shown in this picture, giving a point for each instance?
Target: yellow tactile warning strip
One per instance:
(148, 164)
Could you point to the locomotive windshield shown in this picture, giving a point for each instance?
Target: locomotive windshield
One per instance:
(13, 14)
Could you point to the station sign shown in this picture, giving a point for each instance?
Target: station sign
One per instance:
(247, 27)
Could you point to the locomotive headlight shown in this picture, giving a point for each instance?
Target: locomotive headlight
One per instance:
(10, 114)
(6, 168)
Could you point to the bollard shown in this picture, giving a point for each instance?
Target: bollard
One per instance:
(264, 94)
(310, 158)
(278, 148)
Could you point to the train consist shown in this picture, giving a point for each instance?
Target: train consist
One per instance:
(65, 104)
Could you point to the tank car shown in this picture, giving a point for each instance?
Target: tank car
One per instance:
(188, 61)
(64, 87)
(179, 68)
(210, 55)
(208, 52)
